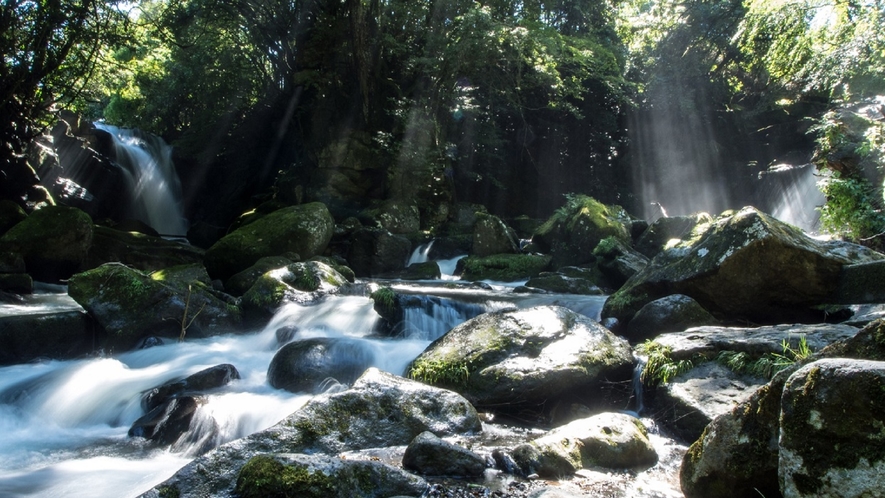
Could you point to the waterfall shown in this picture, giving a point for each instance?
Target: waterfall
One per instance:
(419, 255)
(154, 187)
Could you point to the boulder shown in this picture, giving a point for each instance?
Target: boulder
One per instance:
(609, 440)
(397, 217)
(375, 252)
(380, 410)
(493, 236)
(309, 364)
(512, 359)
(861, 283)
(238, 284)
(166, 423)
(302, 282)
(832, 441)
(562, 282)
(319, 476)
(53, 242)
(576, 228)
(182, 276)
(130, 305)
(429, 455)
(503, 267)
(668, 314)
(656, 237)
(744, 265)
(304, 229)
(618, 261)
(198, 383)
(139, 251)
(61, 335)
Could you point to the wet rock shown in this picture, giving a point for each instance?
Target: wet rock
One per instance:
(60, 335)
(745, 265)
(130, 305)
(512, 359)
(831, 442)
(655, 238)
(493, 236)
(503, 267)
(297, 282)
(610, 440)
(306, 365)
(53, 242)
(379, 410)
(430, 455)
(376, 252)
(166, 423)
(618, 261)
(562, 283)
(139, 251)
(304, 229)
(691, 400)
(198, 383)
(317, 476)
(10, 215)
(668, 314)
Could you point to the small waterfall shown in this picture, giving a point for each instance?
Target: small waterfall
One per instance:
(154, 186)
(638, 387)
(429, 317)
(419, 255)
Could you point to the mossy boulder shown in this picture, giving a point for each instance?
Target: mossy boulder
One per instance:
(503, 267)
(131, 305)
(562, 283)
(139, 251)
(744, 265)
(395, 216)
(618, 261)
(493, 236)
(317, 476)
(668, 314)
(609, 440)
(53, 242)
(832, 430)
(61, 335)
(238, 284)
(516, 359)
(301, 282)
(304, 229)
(430, 455)
(309, 365)
(380, 410)
(576, 228)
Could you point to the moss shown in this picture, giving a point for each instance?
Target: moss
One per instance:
(440, 372)
(168, 492)
(504, 267)
(385, 300)
(265, 477)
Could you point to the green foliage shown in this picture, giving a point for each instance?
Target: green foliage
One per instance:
(768, 364)
(660, 368)
(439, 372)
(504, 267)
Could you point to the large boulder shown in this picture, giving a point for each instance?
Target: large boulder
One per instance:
(131, 305)
(319, 476)
(307, 365)
(832, 441)
(238, 284)
(376, 252)
(137, 250)
(744, 265)
(656, 237)
(493, 236)
(618, 261)
(609, 440)
(512, 359)
(53, 241)
(503, 267)
(304, 230)
(668, 314)
(737, 455)
(380, 410)
(302, 282)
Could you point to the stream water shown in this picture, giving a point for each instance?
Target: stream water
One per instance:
(65, 423)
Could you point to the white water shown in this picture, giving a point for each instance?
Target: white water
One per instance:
(153, 184)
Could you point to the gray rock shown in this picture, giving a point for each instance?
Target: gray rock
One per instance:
(238, 284)
(609, 440)
(524, 357)
(663, 230)
(379, 410)
(375, 252)
(318, 476)
(831, 430)
(668, 314)
(744, 265)
(561, 283)
(618, 261)
(493, 236)
(306, 365)
(430, 455)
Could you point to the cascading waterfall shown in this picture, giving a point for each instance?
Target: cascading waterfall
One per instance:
(155, 189)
